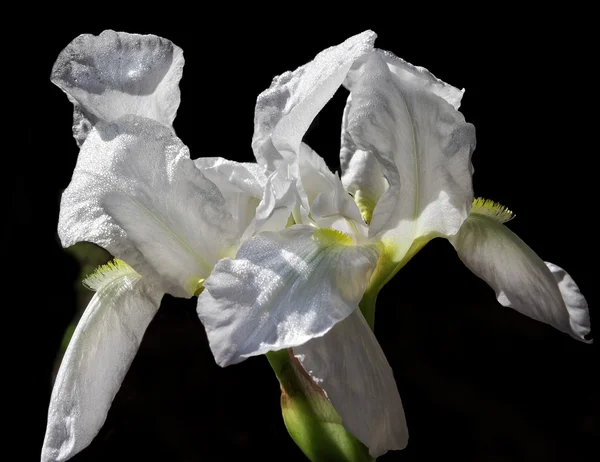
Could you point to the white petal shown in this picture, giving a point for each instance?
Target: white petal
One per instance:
(136, 193)
(280, 199)
(229, 176)
(285, 111)
(95, 363)
(241, 184)
(519, 277)
(360, 169)
(116, 73)
(283, 114)
(424, 148)
(349, 365)
(309, 191)
(316, 177)
(575, 302)
(282, 290)
(328, 200)
(421, 77)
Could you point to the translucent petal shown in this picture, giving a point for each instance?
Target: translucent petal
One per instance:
(116, 73)
(423, 146)
(99, 354)
(136, 193)
(349, 365)
(282, 290)
(519, 277)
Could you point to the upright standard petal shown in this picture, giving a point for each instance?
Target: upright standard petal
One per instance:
(519, 277)
(282, 290)
(283, 114)
(285, 111)
(423, 145)
(349, 365)
(116, 73)
(136, 192)
(98, 356)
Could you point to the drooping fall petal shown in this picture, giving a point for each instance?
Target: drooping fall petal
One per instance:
(99, 354)
(349, 365)
(575, 302)
(136, 192)
(519, 277)
(281, 290)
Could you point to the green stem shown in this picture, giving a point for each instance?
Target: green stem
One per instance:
(309, 416)
(386, 269)
(279, 361)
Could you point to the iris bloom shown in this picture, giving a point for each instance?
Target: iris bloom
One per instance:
(281, 252)
(135, 192)
(406, 179)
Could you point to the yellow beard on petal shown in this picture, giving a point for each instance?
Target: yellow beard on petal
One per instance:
(328, 236)
(105, 274)
(491, 209)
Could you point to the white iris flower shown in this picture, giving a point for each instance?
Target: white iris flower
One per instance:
(282, 252)
(135, 192)
(406, 179)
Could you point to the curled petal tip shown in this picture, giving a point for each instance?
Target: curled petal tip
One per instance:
(116, 73)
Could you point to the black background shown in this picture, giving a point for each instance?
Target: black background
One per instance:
(479, 381)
